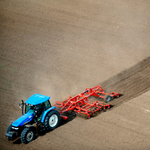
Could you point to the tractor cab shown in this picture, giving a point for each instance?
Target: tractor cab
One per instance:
(36, 103)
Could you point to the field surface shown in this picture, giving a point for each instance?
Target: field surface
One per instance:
(60, 47)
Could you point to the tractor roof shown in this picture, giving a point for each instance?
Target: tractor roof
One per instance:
(37, 99)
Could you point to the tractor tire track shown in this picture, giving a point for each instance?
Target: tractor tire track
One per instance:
(130, 83)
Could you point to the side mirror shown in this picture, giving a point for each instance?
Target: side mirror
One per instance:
(20, 105)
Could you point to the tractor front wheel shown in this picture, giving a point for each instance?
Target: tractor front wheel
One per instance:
(27, 135)
(52, 120)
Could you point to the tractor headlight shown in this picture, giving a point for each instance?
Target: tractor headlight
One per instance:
(15, 128)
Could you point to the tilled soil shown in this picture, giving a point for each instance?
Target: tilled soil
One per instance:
(59, 48)
(130, 83)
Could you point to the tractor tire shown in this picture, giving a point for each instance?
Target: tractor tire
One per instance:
(9, 128)
(107, 98)
(28, 135)
(52, 120)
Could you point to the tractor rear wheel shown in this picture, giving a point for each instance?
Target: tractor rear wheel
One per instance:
(52, 120)
(107, 98)
(28, 135)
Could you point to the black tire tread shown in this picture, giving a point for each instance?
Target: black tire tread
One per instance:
(46, 123)
(24, 133)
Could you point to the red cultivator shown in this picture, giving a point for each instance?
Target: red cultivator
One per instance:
(80, 103)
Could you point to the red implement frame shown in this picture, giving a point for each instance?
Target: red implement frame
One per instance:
(80, 103)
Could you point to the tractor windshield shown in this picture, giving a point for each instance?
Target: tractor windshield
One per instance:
(29, 108)
(39, 107)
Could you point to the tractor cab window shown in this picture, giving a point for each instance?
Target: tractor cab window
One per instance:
(28, 108)
(47, 104)
(39, 109)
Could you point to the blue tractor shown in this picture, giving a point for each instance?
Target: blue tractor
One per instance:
(37, 115)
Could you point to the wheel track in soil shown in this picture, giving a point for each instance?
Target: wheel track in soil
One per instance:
(130, 83)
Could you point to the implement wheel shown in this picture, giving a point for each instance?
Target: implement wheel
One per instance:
(27, 135)
(107, 98)
(52, 120)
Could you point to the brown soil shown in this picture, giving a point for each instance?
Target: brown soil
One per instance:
(59, 48)
(130, 83)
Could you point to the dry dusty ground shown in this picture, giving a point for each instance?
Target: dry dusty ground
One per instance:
(59, 48)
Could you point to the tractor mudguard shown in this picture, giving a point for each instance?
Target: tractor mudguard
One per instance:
(45, 113)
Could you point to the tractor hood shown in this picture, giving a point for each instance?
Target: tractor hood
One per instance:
(23, 119)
